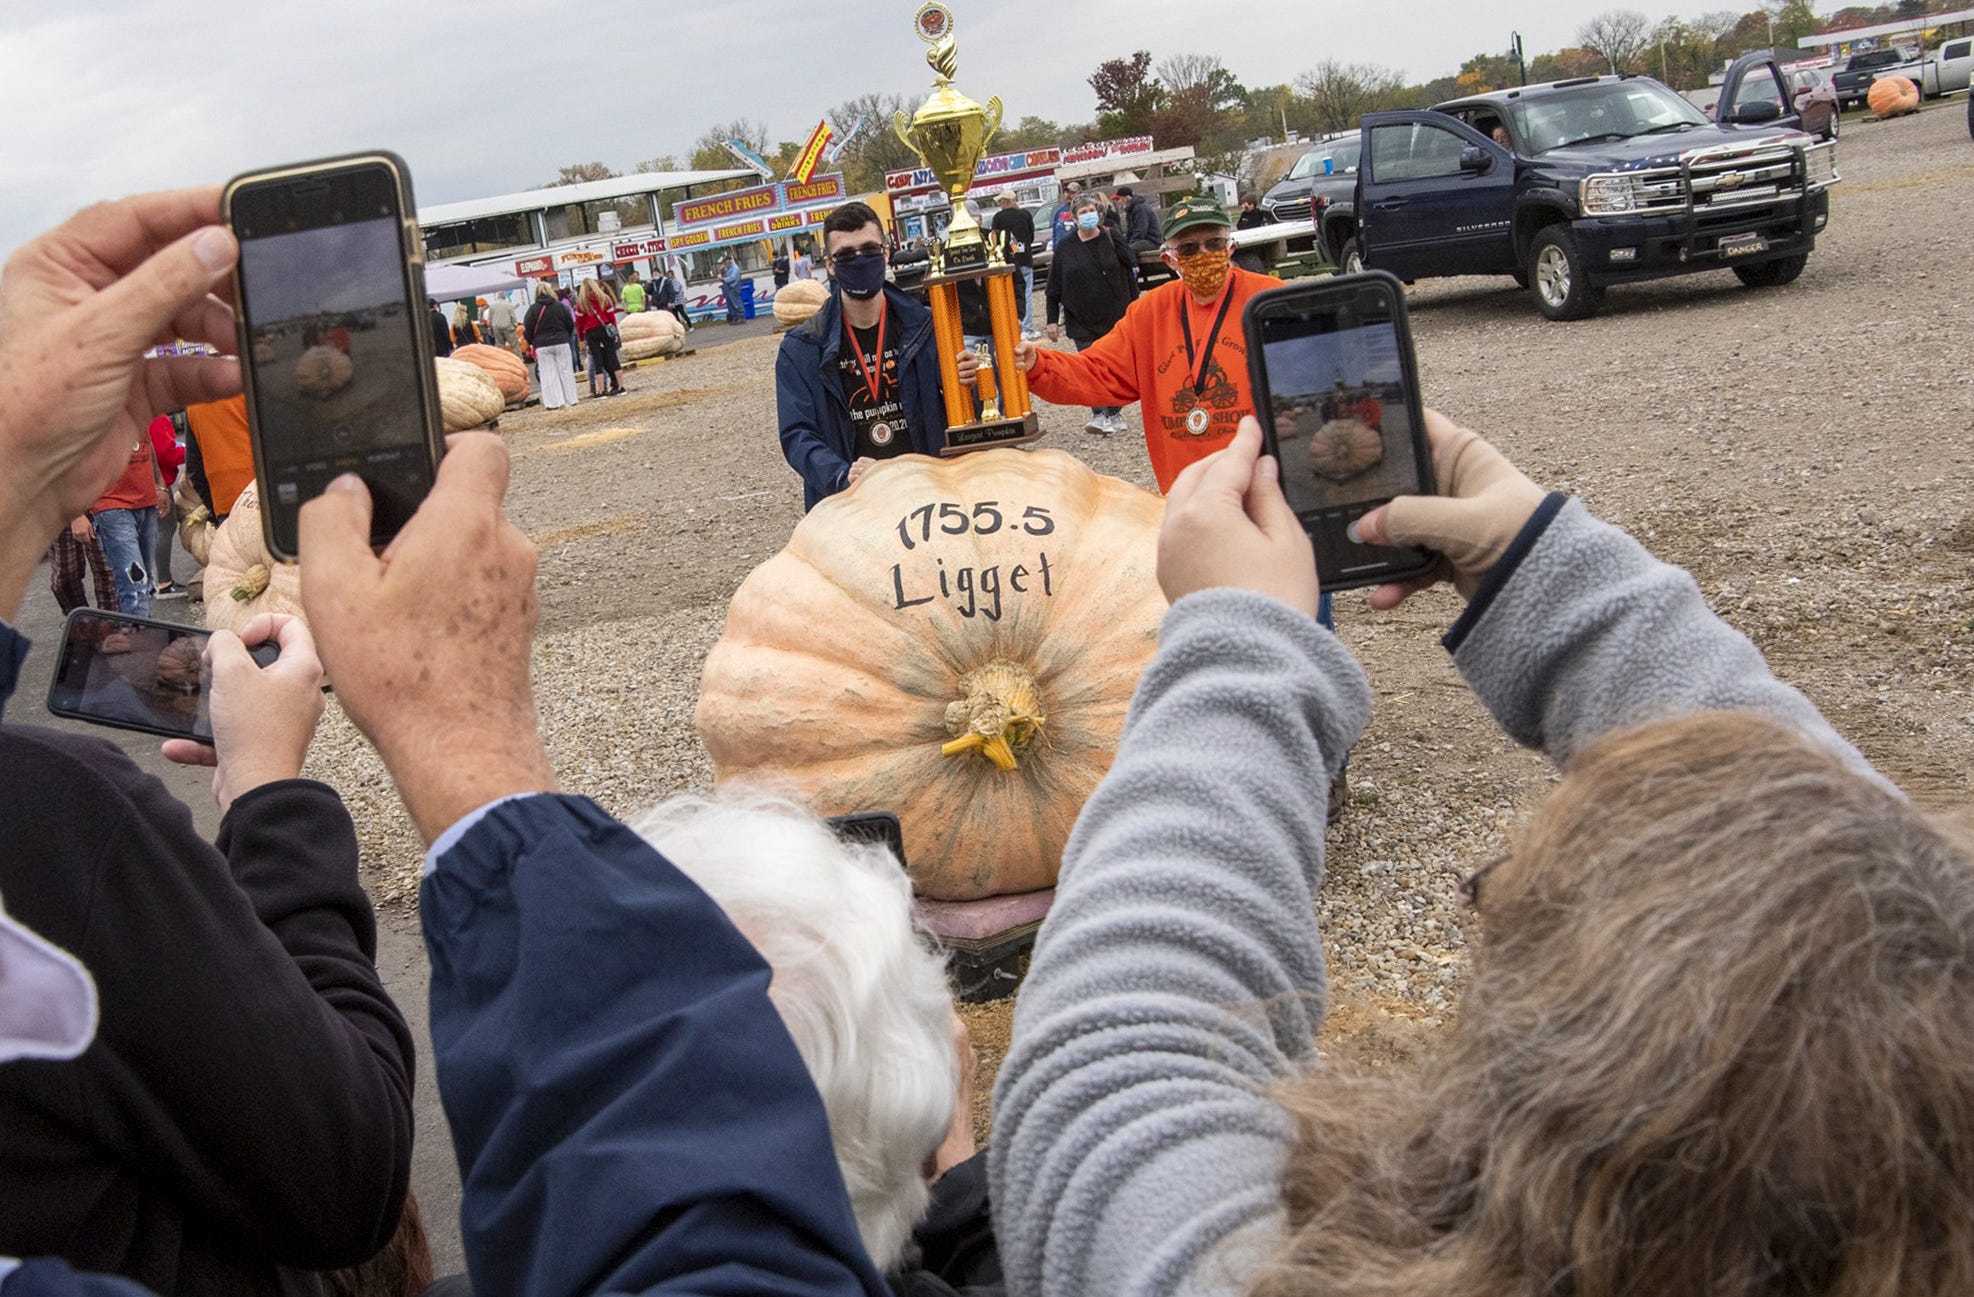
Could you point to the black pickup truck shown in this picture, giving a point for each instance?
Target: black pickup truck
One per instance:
(1600, 180)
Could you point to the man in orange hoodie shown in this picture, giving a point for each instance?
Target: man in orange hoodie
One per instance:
(1179, 351)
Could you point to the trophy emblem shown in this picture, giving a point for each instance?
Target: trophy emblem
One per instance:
(949, 133)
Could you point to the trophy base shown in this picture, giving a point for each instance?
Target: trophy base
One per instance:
(988, 434)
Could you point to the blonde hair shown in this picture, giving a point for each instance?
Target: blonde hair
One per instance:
(591, 295)
(1720, 1039)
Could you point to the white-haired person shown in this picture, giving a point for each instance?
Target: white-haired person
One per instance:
(865, 998)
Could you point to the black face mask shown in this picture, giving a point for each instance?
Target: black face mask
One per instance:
(862, 276)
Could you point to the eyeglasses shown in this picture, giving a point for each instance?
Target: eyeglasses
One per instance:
(1193, 247)
(844, 256)
(1470, 886)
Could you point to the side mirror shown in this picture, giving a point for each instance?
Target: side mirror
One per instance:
(1755, 112)
(1476, 159)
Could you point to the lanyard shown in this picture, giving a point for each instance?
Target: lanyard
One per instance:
(874, 373)
(1186, 327)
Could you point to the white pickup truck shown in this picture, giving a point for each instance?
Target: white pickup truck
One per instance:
(1956, 64)
(1853, 80)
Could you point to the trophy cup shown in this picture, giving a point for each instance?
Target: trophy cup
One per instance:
(949, 133)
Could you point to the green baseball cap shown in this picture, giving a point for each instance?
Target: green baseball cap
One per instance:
(1192, 211)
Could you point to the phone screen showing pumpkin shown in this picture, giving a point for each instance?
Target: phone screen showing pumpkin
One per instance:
(1335, 384)
(133, 673)
(333, 355)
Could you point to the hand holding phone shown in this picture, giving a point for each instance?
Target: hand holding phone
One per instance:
(1228, 525)
(264, 712)
(1483, 503)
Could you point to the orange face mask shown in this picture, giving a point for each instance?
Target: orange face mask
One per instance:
(1204, 272)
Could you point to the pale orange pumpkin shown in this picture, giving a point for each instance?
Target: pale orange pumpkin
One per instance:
(955, 641)
(505, 368)
(1343, 448)
(467, 397)
(797, 301)
(1893, 96)
(647, 334)
(242, 579)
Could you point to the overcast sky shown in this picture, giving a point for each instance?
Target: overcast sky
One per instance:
(108, 97)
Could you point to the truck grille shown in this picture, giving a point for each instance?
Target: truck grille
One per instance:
(1296, 209)
(1719, 179)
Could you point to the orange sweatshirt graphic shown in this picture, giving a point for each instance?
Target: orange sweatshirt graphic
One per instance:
(1143, 359)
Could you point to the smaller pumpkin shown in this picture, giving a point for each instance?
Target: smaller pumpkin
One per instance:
(322, 372)
(467, 397)
(1893, 97)
(499, 364)
(1343, 448)
(798, 301)
(242, 579)
(650, 333)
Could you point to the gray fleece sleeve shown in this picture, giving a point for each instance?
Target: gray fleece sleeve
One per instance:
(1179, 975)
(1588, 633)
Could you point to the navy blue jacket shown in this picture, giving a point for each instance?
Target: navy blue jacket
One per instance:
(629, 1113)
(816, 434)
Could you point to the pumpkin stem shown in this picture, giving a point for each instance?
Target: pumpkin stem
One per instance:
(252, 583)
(998, 715)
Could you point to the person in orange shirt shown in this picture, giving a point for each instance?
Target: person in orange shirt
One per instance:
(1179, 351)
(219, 452)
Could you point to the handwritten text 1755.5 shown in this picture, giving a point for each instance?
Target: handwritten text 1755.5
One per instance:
(985, 520)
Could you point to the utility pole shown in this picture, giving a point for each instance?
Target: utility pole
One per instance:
(1521, 67)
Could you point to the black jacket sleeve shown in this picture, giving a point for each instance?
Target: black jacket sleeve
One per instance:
(250, 1073)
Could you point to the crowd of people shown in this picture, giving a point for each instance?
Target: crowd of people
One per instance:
(1719, 1034)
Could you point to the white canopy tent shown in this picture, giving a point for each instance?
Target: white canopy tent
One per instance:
(453, 282)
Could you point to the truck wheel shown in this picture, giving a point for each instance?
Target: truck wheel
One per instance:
(1555, 274)
(1772, 274)
(1350, 261)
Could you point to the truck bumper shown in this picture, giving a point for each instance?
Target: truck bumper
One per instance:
(1617, 250)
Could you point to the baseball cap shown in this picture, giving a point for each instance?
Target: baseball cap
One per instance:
(1190, 212)
(47, 999)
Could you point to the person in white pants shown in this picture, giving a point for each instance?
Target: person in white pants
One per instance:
(548, 328)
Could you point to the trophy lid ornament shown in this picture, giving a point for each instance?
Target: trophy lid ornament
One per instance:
(949, 132)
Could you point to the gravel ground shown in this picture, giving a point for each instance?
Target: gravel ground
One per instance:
(1804, 451)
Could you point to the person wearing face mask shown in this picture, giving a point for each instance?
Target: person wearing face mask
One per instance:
(1093, 280)
(1179, 351)
(859, 382)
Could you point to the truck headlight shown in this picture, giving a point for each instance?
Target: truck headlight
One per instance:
(1608, 195)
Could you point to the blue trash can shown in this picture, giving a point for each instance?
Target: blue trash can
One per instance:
(747, 298)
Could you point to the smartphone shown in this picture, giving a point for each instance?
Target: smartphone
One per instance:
(335, 347)
(878, 827)
(133, 673)
(1336, 389)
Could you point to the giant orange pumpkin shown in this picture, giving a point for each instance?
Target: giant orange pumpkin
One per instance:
(1892, 96)
(796, 302)
(499, 364)
(1343, 448)
(467, 397)
(955, 641)
(650, 333)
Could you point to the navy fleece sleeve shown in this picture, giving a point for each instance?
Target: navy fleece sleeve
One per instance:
(628, 1111)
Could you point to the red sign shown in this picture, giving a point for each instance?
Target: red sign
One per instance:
(632, 251)
(991, 173)
(535, 266)
(1096, 149)
(741, 202)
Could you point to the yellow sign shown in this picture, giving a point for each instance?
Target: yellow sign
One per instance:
(811, 155)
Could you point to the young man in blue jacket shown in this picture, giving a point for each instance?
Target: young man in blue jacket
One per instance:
(859, 382)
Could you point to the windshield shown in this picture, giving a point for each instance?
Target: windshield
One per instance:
(1610, 110)
(1303, 166)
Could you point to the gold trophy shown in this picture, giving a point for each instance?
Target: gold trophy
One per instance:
(950, 133)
